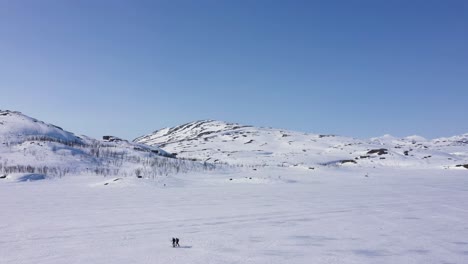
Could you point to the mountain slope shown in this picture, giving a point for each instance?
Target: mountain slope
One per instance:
(16, 127)
(28, 145)
(218, 141)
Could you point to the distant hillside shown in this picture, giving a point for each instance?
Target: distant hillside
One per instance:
(28, 145)
(218, 141)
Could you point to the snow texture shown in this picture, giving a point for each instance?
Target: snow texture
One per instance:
(285, 197)
(216, 141)
(28, 145)
(272, 215)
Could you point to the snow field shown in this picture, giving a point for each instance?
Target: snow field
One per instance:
(325, 216)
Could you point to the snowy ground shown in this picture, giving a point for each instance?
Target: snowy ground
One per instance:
(278, 216)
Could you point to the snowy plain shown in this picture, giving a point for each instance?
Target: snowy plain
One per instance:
(240, 194)
(268, 215)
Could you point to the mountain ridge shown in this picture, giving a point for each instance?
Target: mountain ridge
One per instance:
(28, 145)
(213, 140)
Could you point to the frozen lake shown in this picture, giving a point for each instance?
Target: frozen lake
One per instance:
(277, 216)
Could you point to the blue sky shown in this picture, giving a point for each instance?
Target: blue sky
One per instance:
(353, 67)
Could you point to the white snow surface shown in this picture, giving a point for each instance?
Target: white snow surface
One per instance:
(288, 197)
(270, 215)
(15, 127)
(216, 141)
(28, 145)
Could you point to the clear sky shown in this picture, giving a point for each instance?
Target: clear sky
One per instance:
(352, 67)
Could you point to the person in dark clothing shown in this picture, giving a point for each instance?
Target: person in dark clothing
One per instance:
(177, 242)
(173, 242)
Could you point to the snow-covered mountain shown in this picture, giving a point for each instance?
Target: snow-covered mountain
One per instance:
(33, 146)
(28, 145)
(217, 141)
(323, 197)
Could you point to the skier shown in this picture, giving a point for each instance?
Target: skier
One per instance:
(177, 242)
(173, 242)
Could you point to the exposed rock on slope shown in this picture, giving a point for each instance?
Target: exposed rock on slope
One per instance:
(217, 141)
(28, 145)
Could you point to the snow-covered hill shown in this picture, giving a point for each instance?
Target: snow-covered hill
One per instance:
(328, 198)
(28, 145)
(16, 128)
(217, 141)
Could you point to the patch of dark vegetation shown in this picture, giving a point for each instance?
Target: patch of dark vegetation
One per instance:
(108, 138)
(426, 157)
(364, 157)
(155, 151)
(206, 133)
(323, 136)
(139, 149)
(70, 143)
(406, 152)
(44, 170)
(57, 127)
(348, 161)
(462, 165)
(250, 141)
(381, 151)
